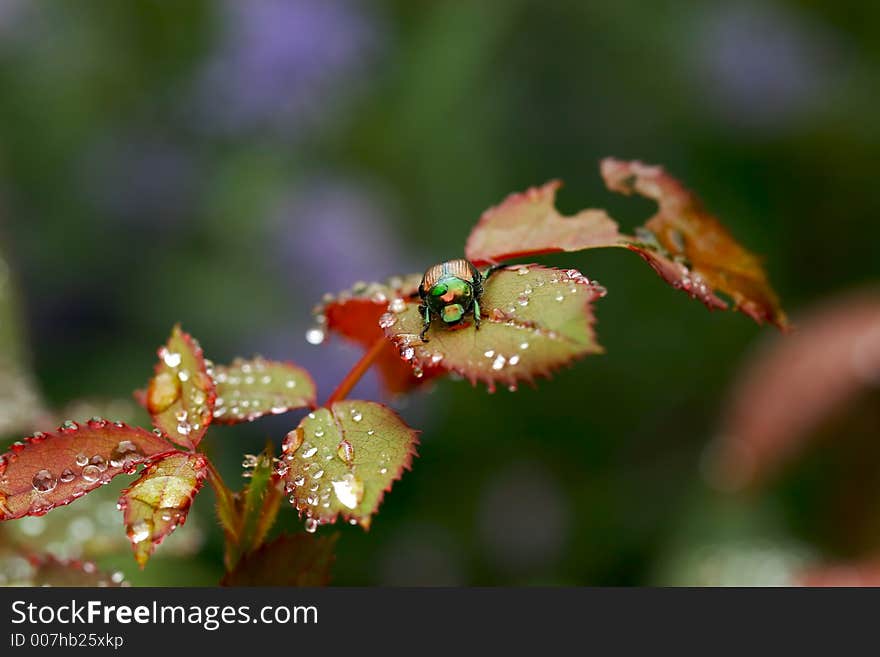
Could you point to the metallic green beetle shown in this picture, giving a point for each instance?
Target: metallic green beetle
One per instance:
(450, 291)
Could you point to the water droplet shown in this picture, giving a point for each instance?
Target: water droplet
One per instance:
(44, 481)
(183, 375)
(249, 461)
(398, 305)
(309, 450)
(317, 475)
(319, 432)
(522, 271)
(82, 460)
(315, 335)
(67, 475)
(293, 440)
(513, 359)
(499, 363)
(408, 353)
(387, 321)
(125, 454)
(281, 468)
(345, 452)
(436, 358)
(523, 346)
(489, 354)
(560, 297)
(91, 473)
(99, 462)
(69, 425)
(299, 480)
(349, 491)
(139, 531)
(171, 358)
(311, 525)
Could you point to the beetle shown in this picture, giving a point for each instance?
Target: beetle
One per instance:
(450, 290)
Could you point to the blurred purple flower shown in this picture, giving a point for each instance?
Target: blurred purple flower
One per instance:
(325, 238)
(140, 179)
(335, 233)
(13, 16)
(281, 64)
(764, 64)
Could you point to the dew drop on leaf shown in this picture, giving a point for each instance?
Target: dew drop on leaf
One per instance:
(139, 531)
(345, 451)
(44, 481)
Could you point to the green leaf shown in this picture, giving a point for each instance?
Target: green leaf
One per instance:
(181, 395)
(342, 460)
(289, 560)
(534, 320)
(256, 506)
(55, 468)
(158, 502)
(250, 389)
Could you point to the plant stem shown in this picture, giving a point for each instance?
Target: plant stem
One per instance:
(360, 368)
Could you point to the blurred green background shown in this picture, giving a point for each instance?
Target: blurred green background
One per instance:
(223, 164)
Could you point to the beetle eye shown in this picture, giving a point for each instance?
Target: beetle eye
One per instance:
(439, 290)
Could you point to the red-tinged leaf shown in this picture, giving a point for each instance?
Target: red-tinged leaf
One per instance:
(682, 243)
(788, 389)
(527, 224)
(863, 573)
(342, 461)
(49, 571)
(534, 320)
(56, 468)
(181, 395)
(687, 231)
(679, 276)
(289, 560)
(355, 315)
(158, 502)
(250, 389)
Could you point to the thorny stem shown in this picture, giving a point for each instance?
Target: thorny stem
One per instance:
(360, 368)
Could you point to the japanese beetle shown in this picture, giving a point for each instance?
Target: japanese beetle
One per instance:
(450, 291)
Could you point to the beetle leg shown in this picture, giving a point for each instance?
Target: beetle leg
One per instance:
(426, 315)
(491, 271)
(477, 315)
